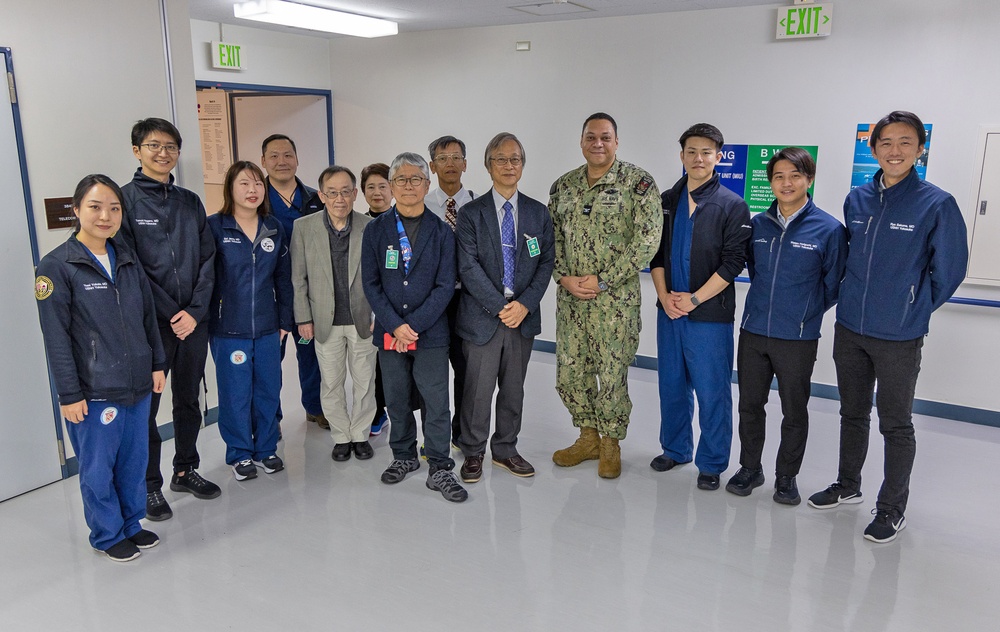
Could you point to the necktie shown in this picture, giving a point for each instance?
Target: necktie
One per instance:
(507, 240)
(450, 212)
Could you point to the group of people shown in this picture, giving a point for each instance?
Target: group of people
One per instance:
(148, 282)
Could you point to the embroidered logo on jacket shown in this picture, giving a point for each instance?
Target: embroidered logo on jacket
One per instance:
(43, 287)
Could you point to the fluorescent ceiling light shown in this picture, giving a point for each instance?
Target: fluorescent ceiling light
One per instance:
(314, 18)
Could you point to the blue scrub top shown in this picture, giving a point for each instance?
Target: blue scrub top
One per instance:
(680, 246)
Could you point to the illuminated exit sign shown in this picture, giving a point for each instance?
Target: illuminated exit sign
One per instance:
(804, 20)
(227, 56)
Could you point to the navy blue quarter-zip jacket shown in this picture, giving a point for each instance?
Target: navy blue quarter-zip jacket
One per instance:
(253, 279)
(908, 254)
(718, 244)
(795, 273)
(101, 336)
(166, 226)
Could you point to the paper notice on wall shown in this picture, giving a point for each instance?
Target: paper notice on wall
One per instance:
(216, 142)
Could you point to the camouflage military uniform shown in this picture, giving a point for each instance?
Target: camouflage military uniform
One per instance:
(611, 229)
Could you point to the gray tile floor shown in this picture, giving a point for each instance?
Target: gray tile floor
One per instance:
(325, 546)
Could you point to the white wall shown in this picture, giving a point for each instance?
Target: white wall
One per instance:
(658, 74)
(83, 79)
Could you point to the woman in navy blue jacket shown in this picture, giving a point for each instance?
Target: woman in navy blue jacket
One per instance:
(103, 346)
(250, 312)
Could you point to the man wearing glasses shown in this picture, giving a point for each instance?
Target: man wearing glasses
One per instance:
(331, 309)
(607, 221)
(408, 270)
(448, 163)
(166, 226)
(505, 259)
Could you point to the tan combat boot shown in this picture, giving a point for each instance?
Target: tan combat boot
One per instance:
(610, 465)
(586, 448)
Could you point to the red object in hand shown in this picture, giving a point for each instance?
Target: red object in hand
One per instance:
(390, 343)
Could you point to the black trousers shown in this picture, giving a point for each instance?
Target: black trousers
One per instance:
(863, 361)
(186, 369)
(457, 358)
(758, 360)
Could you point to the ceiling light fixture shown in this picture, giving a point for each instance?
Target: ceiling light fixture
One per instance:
(314, 18)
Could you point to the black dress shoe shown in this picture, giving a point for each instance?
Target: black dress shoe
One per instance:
(341, 452)
(516, 465)
(472, 469)
(363, 450)
(663, 463)
(745, 481)
(708, 482)
(786, 491)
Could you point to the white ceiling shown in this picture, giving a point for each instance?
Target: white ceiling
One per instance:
(428, 15)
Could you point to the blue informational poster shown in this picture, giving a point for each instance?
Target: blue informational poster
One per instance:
(865, 164)
(732, 169)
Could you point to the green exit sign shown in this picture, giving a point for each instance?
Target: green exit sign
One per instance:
(227, 56)
(804, 20)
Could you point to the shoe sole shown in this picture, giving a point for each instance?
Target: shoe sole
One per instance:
(185, 490)
(471, 479)
(118, 559)
(732, 489)
(160, 517)
(788, 501)
(853, 500)
(872, 538)
(237, 476)
(268, 470)
(659, 468)
(453, 499)
(518, 474)
(145, 546)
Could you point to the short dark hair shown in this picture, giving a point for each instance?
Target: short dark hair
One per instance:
(498, 140)
(273, 137)
(374, 169)
(703, 130)
(228, 204)
(335, 169)
(147, 126)
(441, 143)
(88, 183)
(599, 116)
(799, 157)
(899, 116)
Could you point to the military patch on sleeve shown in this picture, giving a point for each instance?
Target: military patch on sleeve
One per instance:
(643, 185)
(43, 287)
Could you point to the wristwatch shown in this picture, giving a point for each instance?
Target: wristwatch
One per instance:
(695, 301)
(601, 285)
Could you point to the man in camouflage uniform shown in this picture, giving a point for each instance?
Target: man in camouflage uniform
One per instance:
(607, 220)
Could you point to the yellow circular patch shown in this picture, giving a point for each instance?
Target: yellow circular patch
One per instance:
(43, 287)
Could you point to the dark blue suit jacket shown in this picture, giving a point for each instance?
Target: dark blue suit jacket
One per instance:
(480, 266)
(419, 298)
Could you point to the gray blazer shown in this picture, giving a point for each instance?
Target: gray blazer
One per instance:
(312, 275)
(480, 266)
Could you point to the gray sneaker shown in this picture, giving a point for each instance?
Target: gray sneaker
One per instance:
(398, 470)
(446, 482)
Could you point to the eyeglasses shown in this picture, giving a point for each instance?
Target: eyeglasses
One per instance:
(503, 161)
(414, 181)
(333, 195)
(156, 147)
(446, 159)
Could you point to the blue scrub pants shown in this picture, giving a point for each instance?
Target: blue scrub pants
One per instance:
(248, 371)
(695, 358)
(111, 445)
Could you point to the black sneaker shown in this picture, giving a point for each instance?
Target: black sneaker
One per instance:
(244, 470)
(144, 539)
(884, 528)
(271, 464)
(708, 482)
(123, 551)
(786, 491)
(398, 470)
(193, 483)
(835, 495)
(446, 482)
(157, 508)
(744, 481)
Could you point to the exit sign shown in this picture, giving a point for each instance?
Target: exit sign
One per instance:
(227, 56)
(804, 20)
